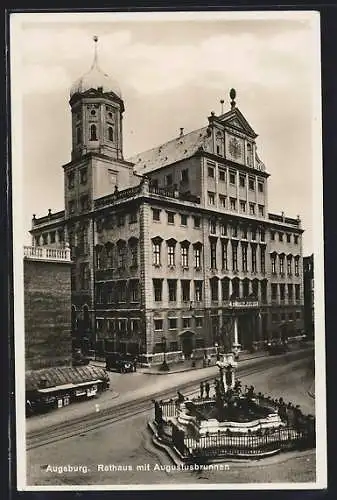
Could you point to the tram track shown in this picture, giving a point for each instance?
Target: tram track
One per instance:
(109, 416)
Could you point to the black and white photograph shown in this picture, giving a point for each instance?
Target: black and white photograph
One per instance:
(168, 250)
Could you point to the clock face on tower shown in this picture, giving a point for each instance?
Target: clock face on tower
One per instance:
(234, 148)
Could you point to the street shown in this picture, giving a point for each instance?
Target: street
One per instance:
(123, 453)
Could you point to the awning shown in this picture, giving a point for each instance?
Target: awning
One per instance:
(67, 386)
(63, 376)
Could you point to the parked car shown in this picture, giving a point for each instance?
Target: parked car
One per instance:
(79, 359)
(123, 363)
(277, 346)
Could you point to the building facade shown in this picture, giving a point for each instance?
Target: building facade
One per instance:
(309, 297)
(173, 249)
(47, 304)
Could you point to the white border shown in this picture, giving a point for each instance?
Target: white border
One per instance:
(16, 21)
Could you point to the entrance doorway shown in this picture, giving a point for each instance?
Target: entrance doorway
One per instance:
(187, 343)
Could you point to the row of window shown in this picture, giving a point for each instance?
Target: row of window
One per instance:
(83, 204)
(283, 316)
(284, 237)
(83, 173)
(233, 176)
(119, 291)
(176, 323)
(229, 289)
(233, 231)
(93, 136)
(279, 290)
(232, 205)
(110, 257)
(118, 325)
(281, 261)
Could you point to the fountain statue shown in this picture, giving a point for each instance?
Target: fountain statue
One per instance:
(227, 365)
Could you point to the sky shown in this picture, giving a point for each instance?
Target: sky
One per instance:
(172, 70)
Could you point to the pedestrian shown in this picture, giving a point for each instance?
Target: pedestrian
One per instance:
(201, 389)
(208, 360)
(207, 388)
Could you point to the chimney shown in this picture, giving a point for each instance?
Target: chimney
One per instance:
(181, 131)
(222, 103)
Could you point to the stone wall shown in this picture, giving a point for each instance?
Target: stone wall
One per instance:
(47, 309)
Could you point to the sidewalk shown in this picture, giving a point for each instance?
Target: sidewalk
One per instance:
(185, 366)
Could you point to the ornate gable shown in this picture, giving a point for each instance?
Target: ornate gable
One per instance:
(235, 119)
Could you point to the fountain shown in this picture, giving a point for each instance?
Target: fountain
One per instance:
(233, 421)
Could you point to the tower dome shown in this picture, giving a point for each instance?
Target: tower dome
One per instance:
(95, 79)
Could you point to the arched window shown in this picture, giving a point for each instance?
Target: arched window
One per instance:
(110, 134)
(93, 133)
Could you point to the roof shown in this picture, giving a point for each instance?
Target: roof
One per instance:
(62, 375)
(170, 152)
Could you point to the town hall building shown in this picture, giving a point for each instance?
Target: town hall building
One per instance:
(173, 249)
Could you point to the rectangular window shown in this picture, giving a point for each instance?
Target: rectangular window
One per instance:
(234, 231)
(235, 257)
(298, 315)
(244, 257)
(260, 186)
(197, 257)
(172, 323)
(172, 290)
(157, 289)
(223, 229)
(251, 184)
(212, 226)
(244, 233)
(273, 264)
(198, 291)
(213, 253)
(282, 291)
(198, 322)
(280, 236)
(83, 175)
(171, 255)
(274, 291)
(134, 291)
(156, 253)
(71, 180)
(252, 208)
(196, 222)
(261, 210)
(134, 255)
(297, 260)
(222, 200)
(262, 235)
(121, 255)
(184, 256)
(210, 172)
(222, 175)
(289, 266)
(290, 292)
(211, 198)
(232, 177)
(272, 235)
(184, 175)
(214, 289)
(120, 220)
(168, 180)
(183, 219)
(232, 202)
(186, 322)
(155, 214)
(263, 260)
(185, 290)
(61, 235)
(253, 234)
(254, 266)
(158, 324)
(224, 255)
(281, 260)
(52, 237)
(170, 217)
(242, 181)
(133, 218)
(243, 206)
(84, 276)
(84, 200)
(295, 239)
(288, 238)
(225, 289)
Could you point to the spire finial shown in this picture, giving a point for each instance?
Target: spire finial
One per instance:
(232, 95)
(95, 39)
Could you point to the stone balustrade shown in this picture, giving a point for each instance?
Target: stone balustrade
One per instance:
(47, 253)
